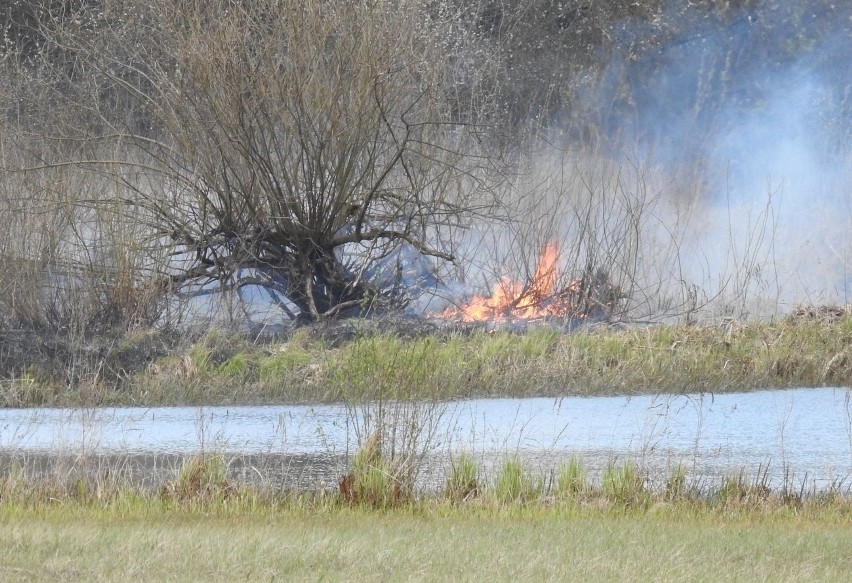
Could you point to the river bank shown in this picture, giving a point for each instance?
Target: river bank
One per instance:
(360, 360)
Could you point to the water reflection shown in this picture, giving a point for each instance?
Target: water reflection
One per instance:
(803, 432)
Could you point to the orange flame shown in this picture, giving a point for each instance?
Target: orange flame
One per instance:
(511, 300)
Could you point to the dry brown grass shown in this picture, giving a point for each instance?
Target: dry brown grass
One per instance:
(226, 368)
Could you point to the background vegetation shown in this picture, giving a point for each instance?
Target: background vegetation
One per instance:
(169, 163)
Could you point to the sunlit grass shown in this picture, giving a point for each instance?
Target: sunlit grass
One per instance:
(227, 368)
(572, 480)
(204, 524)
(514, 484)
(375, 480)
(624, 485)
(131, 538)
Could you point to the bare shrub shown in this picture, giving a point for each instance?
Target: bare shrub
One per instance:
(324, 157)
(69, 264)
(291, 146)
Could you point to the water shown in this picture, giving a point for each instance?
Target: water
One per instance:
(800, 434)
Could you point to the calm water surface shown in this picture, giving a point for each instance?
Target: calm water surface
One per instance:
(803, 433)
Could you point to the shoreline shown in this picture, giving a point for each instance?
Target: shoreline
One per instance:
(356, 361)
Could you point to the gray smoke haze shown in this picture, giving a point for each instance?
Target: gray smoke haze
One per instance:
(782, 158)
(722, 136)
(751, 119)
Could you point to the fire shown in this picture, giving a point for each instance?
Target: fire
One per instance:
(512, 300)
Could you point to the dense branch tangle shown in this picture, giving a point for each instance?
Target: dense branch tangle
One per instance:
(281, 137)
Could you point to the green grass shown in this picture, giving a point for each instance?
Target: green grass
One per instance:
(203, 525)
(373, 479)
(676, 488)
(132, 541)
(514, 484)
(571, 479)
(462, 481)
(201, 477)
(223, 369)
(625, 485)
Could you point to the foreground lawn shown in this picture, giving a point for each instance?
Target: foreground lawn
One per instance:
(518, 544)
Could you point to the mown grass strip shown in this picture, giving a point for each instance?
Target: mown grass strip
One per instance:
(201, 525)
(443, 543)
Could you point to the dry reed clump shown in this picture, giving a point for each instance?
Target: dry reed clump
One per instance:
(463, 481)
(372, 480)
(201, 478)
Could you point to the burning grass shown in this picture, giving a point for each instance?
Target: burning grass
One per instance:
(545, 295)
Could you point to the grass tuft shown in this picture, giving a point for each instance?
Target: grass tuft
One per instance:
(372, 480)
(514, 484)
(739, 491)
(572, 480)
(676, 489)
(200, 478)
(463, 479)
(625, 486)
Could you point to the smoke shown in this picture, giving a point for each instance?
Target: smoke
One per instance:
(729, 130)
(749, 117)
(783, 157)
(720, 130)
